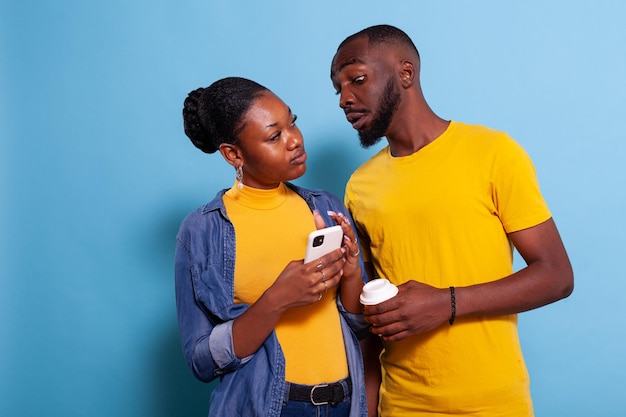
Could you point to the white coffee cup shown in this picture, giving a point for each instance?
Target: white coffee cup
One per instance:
(377, 290)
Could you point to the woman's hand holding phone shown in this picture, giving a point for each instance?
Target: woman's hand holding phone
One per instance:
(332, 255)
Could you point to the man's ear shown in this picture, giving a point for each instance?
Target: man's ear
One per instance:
(408, 72)
(232, 154)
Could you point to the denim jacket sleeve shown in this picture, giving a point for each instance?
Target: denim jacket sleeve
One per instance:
(203, 297)
(356, 322)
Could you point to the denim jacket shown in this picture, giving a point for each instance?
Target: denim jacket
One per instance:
(204, 270)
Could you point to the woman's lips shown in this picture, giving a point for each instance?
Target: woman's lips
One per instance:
(299, 159)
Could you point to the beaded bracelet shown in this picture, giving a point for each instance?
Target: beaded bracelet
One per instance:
(453, 305)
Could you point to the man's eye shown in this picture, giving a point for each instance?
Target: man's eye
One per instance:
(293, 122)
(359, 79)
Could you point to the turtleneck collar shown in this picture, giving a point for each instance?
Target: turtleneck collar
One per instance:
(257, 198)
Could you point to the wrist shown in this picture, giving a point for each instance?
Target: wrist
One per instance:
(272, 302)
(356, 271)
(353, 276)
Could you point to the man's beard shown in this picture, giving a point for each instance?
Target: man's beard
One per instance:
(387, 106)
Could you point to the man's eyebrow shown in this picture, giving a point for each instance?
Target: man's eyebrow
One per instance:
(347, 63)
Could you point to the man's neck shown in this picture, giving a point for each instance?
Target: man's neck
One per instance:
(414, 133)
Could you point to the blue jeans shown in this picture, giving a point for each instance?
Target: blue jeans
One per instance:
(293, 408)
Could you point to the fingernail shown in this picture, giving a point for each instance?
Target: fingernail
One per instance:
(331, 213)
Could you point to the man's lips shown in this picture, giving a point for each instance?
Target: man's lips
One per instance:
(356, 119)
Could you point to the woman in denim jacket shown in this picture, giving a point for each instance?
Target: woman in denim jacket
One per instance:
(281, 335)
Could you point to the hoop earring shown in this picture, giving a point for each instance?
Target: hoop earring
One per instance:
(239, 177)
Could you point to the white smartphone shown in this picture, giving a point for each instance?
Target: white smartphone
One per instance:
(323, 241)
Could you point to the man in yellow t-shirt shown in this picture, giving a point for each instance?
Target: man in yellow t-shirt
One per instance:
(439, 211)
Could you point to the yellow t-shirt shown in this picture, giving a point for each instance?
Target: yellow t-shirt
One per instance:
(271, 229)
(441, 216)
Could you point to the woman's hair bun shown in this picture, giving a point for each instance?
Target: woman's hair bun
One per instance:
(192, 119)
(213, 115)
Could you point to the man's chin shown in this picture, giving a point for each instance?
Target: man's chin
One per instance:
(367, 139)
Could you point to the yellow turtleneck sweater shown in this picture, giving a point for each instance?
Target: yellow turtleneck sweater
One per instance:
(271, 228)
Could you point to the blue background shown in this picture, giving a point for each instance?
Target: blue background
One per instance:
(96, 174)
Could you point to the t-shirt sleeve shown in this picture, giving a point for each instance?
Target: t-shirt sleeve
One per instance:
(516, 191)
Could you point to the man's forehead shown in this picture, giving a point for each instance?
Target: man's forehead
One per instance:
(351, 53)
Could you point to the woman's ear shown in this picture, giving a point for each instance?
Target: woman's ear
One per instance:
(232, 154)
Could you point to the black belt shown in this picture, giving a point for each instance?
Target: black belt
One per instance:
(320, 394)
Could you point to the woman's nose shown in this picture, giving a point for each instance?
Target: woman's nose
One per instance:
(295, 139)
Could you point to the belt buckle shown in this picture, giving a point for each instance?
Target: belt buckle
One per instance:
(313, 390)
